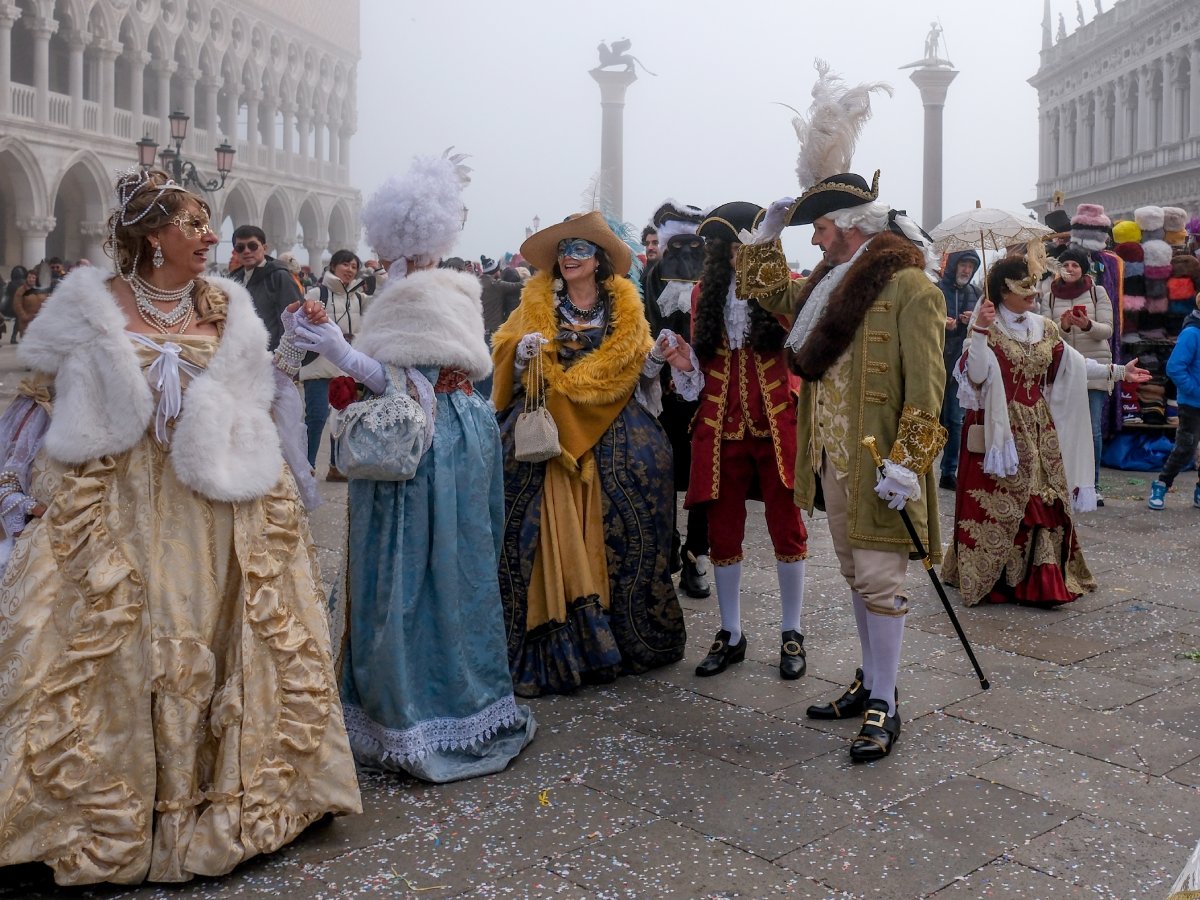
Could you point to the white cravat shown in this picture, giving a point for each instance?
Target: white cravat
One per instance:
(165, 377)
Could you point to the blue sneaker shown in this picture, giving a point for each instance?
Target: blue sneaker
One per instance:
(1158, 495)
(1196, 496)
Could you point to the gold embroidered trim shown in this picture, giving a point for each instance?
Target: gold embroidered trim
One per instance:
(878, 337)
(787, 559)
(875, 397)
(877, 367)
(733, 560)
(761, 270)
(881, 306)
(886, 610)
(919, 440)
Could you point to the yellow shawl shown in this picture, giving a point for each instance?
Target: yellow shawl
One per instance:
(585, 398)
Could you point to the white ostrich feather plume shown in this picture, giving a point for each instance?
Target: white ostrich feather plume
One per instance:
(829, 132)
(418, 215)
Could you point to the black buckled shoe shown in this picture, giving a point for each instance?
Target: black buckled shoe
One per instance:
(721, 655)
(792, 663)
(850, 704)
(691, 580)
(879, 731)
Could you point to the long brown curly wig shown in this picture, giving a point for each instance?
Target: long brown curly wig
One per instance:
(766, 334)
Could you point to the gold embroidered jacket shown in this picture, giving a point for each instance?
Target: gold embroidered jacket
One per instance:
(896, 381)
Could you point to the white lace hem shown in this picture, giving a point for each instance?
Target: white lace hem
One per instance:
(435, 735)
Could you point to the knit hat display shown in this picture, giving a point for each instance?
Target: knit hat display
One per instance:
(1150, 220)
(1174, 220)
(1183, 284)
(1090, 227)
(1158, 270)
(1133, 287)
(1125, 232)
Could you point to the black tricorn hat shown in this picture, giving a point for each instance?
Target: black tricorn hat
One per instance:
(1058, 220)
(831, 194)
(728, 220)
(680, 212)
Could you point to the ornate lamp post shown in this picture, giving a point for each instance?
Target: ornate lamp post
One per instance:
(184, 171)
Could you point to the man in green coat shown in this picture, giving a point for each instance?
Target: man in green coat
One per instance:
(867, 335)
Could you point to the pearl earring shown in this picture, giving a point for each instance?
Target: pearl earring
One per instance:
(157, 259)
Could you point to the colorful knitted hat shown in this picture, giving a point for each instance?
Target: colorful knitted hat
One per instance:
(1174, 220)
(1150, 220)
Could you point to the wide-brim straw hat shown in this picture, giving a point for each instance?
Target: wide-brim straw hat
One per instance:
(541, 248)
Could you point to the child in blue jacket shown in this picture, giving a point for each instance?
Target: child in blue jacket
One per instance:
(1183, 368)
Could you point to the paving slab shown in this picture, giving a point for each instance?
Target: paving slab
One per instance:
(922, 844)
(1159, 807)
(1105, 736)
(1010, 879)
(1106, 858)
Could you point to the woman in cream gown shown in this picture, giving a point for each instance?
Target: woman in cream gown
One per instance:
(167, 703)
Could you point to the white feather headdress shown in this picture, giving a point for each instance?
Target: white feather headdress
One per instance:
(419, 215)
(829, 132)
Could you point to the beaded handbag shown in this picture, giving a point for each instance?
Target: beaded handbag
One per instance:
(384, 438)
(535, 436)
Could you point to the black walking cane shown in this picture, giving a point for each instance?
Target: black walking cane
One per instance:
(869, 443)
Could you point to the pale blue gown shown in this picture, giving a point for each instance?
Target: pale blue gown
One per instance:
(425, 679)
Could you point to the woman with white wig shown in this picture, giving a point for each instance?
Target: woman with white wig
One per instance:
(424, 673)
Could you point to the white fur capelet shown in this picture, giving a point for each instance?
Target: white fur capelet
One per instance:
(431, 318)
(225, 444)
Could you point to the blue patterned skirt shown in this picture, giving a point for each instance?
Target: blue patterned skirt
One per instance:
(643, 626)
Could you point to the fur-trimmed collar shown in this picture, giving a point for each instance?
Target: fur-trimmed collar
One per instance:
(225, 445)
(609, 373)
(430, 318)
(885, 256)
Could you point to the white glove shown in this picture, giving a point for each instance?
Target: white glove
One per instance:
(897, 485)
(666, 340)
(774, 221)
(288, 318)
(530, 346)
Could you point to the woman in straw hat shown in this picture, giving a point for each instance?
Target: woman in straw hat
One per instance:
(584, 570)
(168, 706)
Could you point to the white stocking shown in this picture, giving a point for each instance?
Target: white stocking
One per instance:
(887, 636)
(791, 593)
(864, 636)
(729, 599)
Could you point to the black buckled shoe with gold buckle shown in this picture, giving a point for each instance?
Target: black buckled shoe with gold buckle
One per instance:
(721, 655)
(850, 704)
(792, 663)
(879, 731)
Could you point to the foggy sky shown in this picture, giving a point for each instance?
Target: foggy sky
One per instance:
(508, 84)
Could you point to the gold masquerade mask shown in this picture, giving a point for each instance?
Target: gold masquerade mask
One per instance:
(193, 224)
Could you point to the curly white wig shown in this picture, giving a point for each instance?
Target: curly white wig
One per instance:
(418, 215)
(869, 218)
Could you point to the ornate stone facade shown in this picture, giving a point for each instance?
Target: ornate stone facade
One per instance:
(82, 80)
(1119, 109)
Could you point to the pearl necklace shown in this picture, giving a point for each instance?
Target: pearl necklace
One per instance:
(146, 295)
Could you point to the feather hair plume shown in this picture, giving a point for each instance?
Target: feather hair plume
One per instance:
(829, 132)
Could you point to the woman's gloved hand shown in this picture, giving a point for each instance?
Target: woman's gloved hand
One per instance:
(530, 346)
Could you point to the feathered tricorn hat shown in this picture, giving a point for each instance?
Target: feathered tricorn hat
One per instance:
(827, 139)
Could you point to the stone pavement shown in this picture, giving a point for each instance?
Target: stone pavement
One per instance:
(1076, 775)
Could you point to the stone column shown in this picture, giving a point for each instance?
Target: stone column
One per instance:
(1143, 138)
(288, 108)
(187, 86)
(163, 69)
(76, 43)
(267, 112)
(252, 133)
(613, 85)
(933, 82)
(1065, 141)
(319, 135)
(344, 152)
(302, 128)
(1194, 90)
(211, 86)
(8, 15)
(315, 246)
(1167, 105)
(1085, 133)
(94, 234)
(232, 105)
(34, 230)
(41, 29)
(334, 141)
(1100, 114)
(138, 60)
(106, 54)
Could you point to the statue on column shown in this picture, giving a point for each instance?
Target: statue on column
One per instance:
(1079, 12)
(935, 45)
(618, 55)
(931, 42)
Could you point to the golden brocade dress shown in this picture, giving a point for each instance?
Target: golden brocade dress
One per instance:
(167, 701)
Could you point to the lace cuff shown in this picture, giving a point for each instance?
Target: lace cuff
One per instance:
(288, 357)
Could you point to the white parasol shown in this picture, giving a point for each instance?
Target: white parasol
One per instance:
(986, 228)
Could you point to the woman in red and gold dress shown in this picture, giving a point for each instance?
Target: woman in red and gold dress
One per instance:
(1025, 392)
